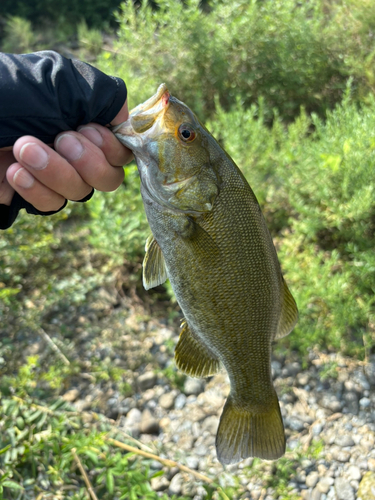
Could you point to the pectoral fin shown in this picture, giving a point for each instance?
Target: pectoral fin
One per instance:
(198, 241)
(193, 357)
(154, 270)
(289, 314)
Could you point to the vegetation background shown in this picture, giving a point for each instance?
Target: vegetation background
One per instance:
(287, 87)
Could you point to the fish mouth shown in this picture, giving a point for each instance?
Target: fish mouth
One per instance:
(143, 117)
(161, 97)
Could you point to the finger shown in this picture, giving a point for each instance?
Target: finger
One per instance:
(50, 169)
(6, 190)
(89, 161)
(115, 153)
(33, 191)
(122, 115)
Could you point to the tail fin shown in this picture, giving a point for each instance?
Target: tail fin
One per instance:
(244, 434)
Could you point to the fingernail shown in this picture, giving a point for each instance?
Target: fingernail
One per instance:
(23, 179)
(92, 134)
(34, 156)
(69, 147)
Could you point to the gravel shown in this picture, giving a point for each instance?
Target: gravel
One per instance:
(329, 421)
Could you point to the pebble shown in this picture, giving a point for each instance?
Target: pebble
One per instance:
(341, 455)
(344, 440)
(193, 386)
(149, 425)
(146, 381)
(325, 484)
(167, 400)
(331, 402)
(295, 424)
(175, 486)
(364, 402)
(192, 462)
(343, 489)
(159, 483)
(315, 494)
(354, 473)
(71, 395)
(312, 479)
(180, 401)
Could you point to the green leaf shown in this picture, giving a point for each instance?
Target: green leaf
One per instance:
(5, 449)
(157, 474)
(12, 485)
(110, 482)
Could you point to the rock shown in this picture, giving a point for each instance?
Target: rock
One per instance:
(159, 483)
(315, 494)
(303, 379)
(193, 386)
(344, 440)
(175, 486)
(312, 479)
(211, 424)
(180, 401)
(294, 424)
(366, 490)
(341, 455)
(331, 402)
(293, 369)
(354, 473)
(343, 489)
(317, 428)
(167, 400)
(188, 489)
(71, 395)
(149, 425)
(192, 462)
(364, 402)
(371, 464)
(324, 484)
(276, 368)
(133, 417)
(351, 402)
(146, 381)
(370, 372)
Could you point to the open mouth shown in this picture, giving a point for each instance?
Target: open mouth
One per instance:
(144, 115)
(161, 98)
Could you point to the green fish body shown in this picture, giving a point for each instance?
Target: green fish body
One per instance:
(210, 239)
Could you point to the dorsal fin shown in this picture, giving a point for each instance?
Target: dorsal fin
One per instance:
(289, 313)
(154, 270)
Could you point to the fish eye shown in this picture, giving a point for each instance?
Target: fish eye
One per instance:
(186, 132)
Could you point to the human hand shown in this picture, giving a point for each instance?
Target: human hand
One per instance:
(46, 176)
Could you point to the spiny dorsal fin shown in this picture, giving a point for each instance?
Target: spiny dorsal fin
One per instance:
(289, 313)
(154, 270)
(245, 433)
(193, 357)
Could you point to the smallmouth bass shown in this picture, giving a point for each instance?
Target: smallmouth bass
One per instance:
(210, 239)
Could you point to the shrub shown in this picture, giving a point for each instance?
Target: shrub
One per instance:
(292, 53)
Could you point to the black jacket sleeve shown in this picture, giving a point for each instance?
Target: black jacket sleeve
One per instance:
(44, 93)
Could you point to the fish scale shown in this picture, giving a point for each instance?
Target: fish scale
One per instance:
(210, 239)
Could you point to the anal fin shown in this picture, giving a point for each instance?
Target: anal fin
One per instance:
(289, 313)
(154, 270)
(193, 357)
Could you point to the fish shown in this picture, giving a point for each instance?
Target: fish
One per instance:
(209, 237)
